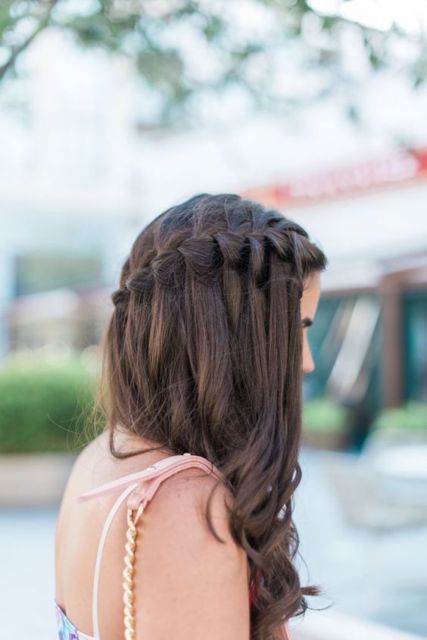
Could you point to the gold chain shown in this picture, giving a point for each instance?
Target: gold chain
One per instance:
(128, 572)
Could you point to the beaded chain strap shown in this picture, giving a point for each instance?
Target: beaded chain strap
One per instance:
(133, 516)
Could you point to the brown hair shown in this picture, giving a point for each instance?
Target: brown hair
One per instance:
(203, 354)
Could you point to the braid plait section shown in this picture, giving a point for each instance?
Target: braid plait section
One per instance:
(204, 256)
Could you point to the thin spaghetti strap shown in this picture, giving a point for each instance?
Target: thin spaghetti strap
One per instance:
(101, 544)
(140, 487)
(181, 461)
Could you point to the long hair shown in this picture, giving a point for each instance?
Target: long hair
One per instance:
(203, 353)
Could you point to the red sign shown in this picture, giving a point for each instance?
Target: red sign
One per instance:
(401, 166)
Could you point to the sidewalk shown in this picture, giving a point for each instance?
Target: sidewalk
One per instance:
(335, 626)
(376, 577)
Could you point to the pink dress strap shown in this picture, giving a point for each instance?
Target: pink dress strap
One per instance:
(137, 488)
(158, 472)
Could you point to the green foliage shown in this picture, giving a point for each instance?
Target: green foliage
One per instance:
(5, 15)
(162, 68)
(411, 416)
(141, 30)
(324, 415)
(44, 405)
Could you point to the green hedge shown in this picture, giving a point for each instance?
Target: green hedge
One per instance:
(324, 415)
(44, 405)
(412, 416)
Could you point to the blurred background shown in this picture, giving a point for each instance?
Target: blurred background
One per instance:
(113, 110)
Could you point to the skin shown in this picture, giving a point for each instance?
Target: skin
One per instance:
(309, 303)
(199, 588)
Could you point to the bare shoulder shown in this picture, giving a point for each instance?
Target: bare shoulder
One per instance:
(83, 466)
(189, 584)
(183, 498)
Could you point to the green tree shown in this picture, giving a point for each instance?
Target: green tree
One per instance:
(294, 42)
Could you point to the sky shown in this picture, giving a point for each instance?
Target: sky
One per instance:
(410, 15)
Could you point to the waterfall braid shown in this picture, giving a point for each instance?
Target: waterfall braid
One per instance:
(203, 353)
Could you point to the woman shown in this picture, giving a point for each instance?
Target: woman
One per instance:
(204, 356)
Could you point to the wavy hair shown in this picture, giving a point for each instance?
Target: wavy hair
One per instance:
(203, 353)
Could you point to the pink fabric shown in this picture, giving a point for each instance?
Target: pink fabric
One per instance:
(157, 472)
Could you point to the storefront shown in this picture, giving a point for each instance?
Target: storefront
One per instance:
(369, 339)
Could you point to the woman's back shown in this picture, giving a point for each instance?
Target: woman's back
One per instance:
(184, 577)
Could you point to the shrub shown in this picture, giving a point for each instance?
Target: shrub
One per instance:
(324, 415)
(411, 416)
(44, 404)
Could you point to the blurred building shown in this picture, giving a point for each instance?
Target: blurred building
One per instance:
(371, 331)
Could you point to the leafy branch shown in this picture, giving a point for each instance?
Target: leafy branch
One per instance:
(297, 43)
(43, 17)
